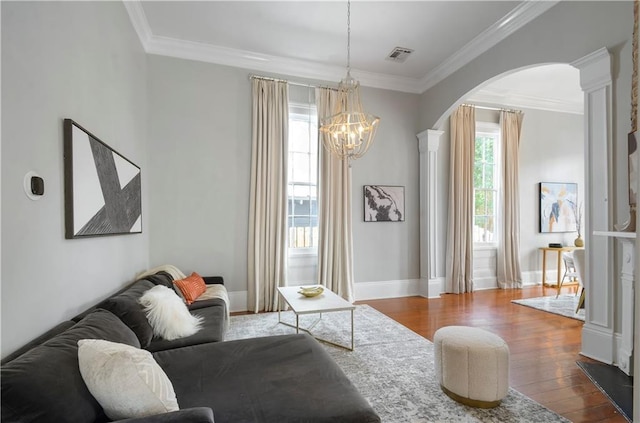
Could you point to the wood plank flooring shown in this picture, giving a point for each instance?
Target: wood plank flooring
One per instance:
(544, 347)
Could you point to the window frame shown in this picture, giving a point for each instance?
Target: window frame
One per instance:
(304, 112)
(492, 130)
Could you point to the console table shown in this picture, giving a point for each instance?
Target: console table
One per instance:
(558, 251)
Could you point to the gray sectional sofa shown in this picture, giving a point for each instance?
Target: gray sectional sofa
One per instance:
(279, 379)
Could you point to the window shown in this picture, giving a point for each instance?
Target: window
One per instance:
(302, 190)
(485, 183)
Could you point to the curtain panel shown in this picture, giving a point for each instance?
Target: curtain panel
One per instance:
(267, 243)
(508, 260)
(335, 238)
(459, 263)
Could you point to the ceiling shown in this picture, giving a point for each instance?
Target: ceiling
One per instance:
(308, 39)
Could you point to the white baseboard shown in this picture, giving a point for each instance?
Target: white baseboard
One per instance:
(387, 289)
(363, 291)
(436, 287)
(598, 343)
(238, 301)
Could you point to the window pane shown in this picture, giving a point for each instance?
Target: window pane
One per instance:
(298, 136)
(477, 175)
(489, 171)
(301, 206)
(303, 168)
(490, 202)
(485, 185)
(479, 202)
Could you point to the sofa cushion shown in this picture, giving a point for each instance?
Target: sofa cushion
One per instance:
(126, 306)
(126, 381)
(160, 278)
(191, 287)
(281, 379)
(168, 315)
(213, 328)
(59, 328)
(45, 385)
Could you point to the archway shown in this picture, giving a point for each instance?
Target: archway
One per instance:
(596, 81)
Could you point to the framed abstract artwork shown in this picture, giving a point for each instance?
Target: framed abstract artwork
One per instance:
(558, 206)
(102, 187)
(383, 203)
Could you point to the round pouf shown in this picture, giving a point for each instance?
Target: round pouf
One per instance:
(472, 365)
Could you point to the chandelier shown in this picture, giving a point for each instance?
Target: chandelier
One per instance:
(349, 132)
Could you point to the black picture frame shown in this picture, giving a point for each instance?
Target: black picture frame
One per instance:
(383, 203)
(102, 187)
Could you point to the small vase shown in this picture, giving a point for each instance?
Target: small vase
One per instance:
(579, 242)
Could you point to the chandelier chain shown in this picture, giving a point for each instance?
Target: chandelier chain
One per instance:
(348, 36)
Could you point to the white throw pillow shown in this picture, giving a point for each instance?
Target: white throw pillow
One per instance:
(126, 381)
(168, 315)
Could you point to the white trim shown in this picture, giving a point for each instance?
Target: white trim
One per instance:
(166, 46)
(237, 301)
(524, 13)
(481, 284)
(436, 287)
(386, 289)
(523, 101)
(139, 22)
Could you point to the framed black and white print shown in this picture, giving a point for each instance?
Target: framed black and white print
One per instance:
(383, 203)
(102, 187)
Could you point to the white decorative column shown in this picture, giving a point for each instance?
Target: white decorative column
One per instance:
(598, 331)
(428, 144)
(625, 349)
(624, 338)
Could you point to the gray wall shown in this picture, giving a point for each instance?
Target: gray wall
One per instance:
(200, 157)
(551, 150)
(567, 32)
(199, 166)
(58, 62)
(388, 251)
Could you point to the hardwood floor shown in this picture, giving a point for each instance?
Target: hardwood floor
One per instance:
(544, 347)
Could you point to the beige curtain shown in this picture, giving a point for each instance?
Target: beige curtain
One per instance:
(508, 262)
(267, 246)
(335, 239)
(459, 263)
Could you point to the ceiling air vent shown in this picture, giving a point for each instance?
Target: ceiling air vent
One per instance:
(399, 54)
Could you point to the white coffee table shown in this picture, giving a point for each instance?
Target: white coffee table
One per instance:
(324, 303)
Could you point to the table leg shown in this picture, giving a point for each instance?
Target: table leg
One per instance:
(544, 268)
(352, 343)
(559, 269)
(297, 323)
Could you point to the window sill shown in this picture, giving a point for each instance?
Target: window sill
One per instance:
(487, 246)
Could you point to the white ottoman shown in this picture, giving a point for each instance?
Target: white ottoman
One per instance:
(472, 365)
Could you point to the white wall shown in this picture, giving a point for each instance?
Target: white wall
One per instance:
(82, 61)
(200, 157)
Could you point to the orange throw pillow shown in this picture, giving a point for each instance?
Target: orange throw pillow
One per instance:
(191, 287)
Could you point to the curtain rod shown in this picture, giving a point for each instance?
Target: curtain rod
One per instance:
(300, 84)
(498, 109)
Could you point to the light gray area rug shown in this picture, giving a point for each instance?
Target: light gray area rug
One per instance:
(392, 367)
(564, 305)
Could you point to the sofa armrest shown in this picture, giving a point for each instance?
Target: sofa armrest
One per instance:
(210, 280)
(188, 415)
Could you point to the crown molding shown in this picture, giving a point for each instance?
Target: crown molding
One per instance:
(524, 13)
(521, 101)
(139, 21)
(208, 53)
(165, 46)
